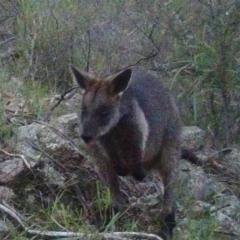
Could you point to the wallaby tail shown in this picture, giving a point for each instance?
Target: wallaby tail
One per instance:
(188, 155)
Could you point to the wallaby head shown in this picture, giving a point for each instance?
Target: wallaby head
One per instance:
(100, 107)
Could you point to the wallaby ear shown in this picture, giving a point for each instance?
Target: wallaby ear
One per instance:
(82, 78)
(121, 81)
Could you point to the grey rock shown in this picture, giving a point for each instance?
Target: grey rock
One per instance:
(6, 194)
(52, 176)
(192, 137)
(195, 183)
(3, 226)
(67, 123)
(228, 205)
(206, 207)
(9, 169)
(26, 138)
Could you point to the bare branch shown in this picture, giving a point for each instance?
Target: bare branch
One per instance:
(61, 98)
(19, 156)
(56, 234)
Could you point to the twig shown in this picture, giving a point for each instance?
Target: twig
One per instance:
(62, 97)
(19, 156)
(228, 233)
(11, 38)
(57, 132)
(7, 209)
(89, 50)
(56, 234)
(152, 54)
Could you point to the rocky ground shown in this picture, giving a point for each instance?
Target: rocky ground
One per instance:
(44, 164)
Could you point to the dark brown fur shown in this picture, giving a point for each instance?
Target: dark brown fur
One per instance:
(130, 125)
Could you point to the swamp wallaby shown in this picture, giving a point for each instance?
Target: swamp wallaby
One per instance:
(130, 124)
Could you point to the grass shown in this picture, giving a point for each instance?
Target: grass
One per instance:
(59, 215)
(198, 229)
(104, 37)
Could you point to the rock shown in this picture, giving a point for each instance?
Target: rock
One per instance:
(229, 205)
(68, 124)
(10, 169)
(37, 140)
(232, 161)
(192, 137)
(3, 226)
(206, 201)
(53, 177)
(226, 225)
(195, 183)
(26, 139)
(6, 194)
(52, 137)
(206, 207)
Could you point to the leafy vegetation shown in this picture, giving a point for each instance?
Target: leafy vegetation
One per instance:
(192, 44)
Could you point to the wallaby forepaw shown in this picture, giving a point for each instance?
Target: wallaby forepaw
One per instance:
(139, 174)
(120, 171)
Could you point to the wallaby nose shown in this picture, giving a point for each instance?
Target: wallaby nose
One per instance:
(86, 138)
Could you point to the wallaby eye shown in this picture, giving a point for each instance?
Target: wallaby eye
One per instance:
(103, 114)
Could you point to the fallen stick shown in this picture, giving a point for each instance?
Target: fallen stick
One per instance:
(57, 234)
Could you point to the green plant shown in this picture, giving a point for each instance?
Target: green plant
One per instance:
(6, 130)
(206, 63)
(203, 229)
(35, 95)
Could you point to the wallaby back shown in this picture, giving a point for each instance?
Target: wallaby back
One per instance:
(130, 124)
(160, 111)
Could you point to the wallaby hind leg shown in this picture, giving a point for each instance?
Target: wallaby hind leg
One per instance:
(137, 170)
(168, 160)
